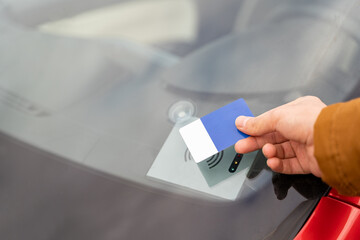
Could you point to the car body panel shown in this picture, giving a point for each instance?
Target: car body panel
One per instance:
(352, 200)
(332, 219)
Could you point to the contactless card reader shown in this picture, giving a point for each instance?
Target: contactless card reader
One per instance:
(216, 175)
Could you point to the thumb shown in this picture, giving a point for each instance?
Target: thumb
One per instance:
(257, 126)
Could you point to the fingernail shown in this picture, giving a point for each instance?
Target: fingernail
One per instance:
(240, 122)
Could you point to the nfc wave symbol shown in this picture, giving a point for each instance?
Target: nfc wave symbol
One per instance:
(212, 162)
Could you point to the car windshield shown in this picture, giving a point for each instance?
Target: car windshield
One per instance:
(107, 84)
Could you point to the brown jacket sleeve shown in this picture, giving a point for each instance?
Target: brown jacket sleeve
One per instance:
(337, 146)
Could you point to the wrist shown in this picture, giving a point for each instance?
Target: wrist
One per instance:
(313, 163)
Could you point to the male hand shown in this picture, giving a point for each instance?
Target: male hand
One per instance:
(285, 135)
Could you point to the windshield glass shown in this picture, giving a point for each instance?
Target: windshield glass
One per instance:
(108, 84)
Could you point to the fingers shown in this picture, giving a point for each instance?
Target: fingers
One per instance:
(295, 120)
(257, 126)
(283, 159)
(286, 166)
(254, 143)
(247, 145)
(282, 150)
(272, 131)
